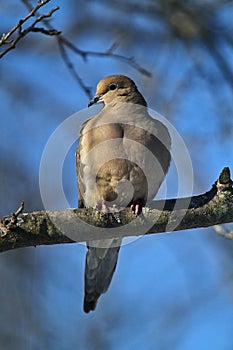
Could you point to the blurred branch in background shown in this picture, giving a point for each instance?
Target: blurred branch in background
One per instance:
(196, 25)
(199, 25)
(66, 44)
(223, 231)
(182, 281)
(63, 43)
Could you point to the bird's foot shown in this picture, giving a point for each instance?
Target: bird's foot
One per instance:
(112, 215)
(136, 207)
(104, 208)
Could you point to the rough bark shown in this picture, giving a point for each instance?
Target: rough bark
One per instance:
(79, 225)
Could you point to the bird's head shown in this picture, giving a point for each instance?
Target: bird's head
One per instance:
(117, 88)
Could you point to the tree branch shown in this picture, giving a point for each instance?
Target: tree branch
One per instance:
(64, 45)
(6, 39)
(80, 225)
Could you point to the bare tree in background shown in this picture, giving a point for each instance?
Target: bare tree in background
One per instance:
(198, 33)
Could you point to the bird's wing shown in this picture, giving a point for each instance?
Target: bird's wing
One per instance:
(80, 181)
(147, 144)
(101, 257)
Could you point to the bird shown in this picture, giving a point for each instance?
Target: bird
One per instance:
(114, 167)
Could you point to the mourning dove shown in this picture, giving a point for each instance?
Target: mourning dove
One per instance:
(122, 158)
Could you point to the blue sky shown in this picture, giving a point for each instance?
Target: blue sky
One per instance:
(170, 291)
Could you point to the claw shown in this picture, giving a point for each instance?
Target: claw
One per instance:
(136, 207)
(105, 209)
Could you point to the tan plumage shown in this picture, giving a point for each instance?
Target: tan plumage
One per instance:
(119, 146)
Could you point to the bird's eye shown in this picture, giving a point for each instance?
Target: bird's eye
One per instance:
(112, 86)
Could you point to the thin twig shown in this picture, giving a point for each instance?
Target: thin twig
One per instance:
(16, 214)
(64, 43)
(108, 53)
(31, 29)
(71, 67)
(22, 21)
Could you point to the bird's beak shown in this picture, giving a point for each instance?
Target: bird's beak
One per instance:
(94, 100)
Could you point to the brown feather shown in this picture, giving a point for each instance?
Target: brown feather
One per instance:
(113, 146)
